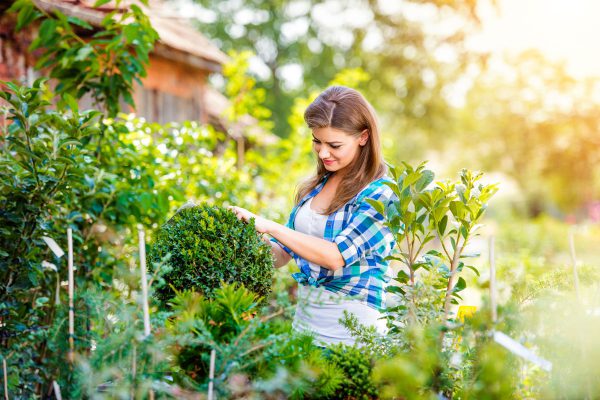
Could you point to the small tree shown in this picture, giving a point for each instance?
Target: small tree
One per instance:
(432, 227)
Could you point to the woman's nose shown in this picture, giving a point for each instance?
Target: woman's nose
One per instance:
(323, 152)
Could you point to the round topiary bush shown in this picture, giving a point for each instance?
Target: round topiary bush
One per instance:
(209, 245)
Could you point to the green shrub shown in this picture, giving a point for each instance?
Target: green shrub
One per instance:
(356, 365)
(208, 246)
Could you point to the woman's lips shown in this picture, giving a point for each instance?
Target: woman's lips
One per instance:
(328, 162)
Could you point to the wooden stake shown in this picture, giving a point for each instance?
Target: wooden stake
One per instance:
(57, 392)
(5, 378)
(133, 370)
(578, 295)
(142, 240)
(145, 307)
(57, 293)
(211, 374)
(493, 289)
(574, 262)
(71, 291)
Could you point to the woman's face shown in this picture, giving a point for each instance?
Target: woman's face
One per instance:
(337, 149)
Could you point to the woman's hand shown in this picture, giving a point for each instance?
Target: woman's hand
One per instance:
(261, 224)
(316, 250)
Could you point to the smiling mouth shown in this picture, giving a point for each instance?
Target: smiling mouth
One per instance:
(328, 161)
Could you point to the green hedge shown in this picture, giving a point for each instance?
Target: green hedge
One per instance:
(209, 245)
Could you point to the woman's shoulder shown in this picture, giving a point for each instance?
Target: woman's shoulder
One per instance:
(378, 189)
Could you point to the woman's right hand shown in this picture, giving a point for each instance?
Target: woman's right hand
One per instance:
(262, 225)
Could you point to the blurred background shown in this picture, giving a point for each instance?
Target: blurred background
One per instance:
(510, 88)
(507, 87)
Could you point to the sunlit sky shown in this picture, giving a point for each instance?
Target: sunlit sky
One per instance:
(567, 30)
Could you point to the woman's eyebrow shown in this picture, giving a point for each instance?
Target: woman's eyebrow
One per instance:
(326, 142)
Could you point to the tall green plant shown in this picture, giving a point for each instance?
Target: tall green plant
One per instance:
(450, 213)
(44, 164)
(432, 224)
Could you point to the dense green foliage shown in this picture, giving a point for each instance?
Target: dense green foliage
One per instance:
(258, 353)
(208, 245)
(356, 365)
(42, 186)
(101, 177)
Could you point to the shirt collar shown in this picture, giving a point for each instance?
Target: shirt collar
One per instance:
(317, 189)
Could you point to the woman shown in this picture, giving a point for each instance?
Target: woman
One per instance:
(336, 237)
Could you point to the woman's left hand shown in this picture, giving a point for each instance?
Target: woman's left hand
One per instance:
(261, 224)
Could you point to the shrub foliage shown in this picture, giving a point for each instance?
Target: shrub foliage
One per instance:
(209, 245)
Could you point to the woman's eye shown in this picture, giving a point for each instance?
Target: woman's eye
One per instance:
(336, 147)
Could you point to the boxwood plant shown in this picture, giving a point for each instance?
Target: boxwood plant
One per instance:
(209, 245)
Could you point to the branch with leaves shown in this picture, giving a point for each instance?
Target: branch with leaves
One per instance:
(101, 61)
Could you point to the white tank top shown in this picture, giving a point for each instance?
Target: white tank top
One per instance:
(319, 310)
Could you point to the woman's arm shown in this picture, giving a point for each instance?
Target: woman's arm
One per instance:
(313, 249)
(280, 255)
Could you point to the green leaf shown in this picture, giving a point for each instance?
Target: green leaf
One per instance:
(460, 285)
(17, 5)
(40, 301)
(394, 258)
(463, 231)
(377, 205)
(442, 225)
(26, 16)
(470, 255)
(457, 209)
(69, 142)
(425, 179)
(473, 269)
(79, 22)
(83, 53)
(46, 32)
(435, 253)
(394, 171)
(410, 179)
(71, 102)
(418, 265)
(395, 290)
(402, 277)
(66, 160)
(394, 188)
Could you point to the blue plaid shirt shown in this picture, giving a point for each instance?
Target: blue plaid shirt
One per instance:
(363, 240)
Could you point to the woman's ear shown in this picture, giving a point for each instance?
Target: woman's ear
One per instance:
(364, 137)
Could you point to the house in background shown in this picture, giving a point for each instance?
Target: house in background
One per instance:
(176, 86)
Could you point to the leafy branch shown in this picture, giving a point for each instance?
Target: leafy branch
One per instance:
(102, 61)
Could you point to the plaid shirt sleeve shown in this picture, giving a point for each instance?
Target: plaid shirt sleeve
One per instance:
(366, 232)
(284, 247)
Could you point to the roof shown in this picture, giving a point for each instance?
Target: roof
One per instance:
(179, 39)
(217, 105)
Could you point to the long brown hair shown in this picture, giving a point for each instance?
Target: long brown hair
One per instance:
(343, 108)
